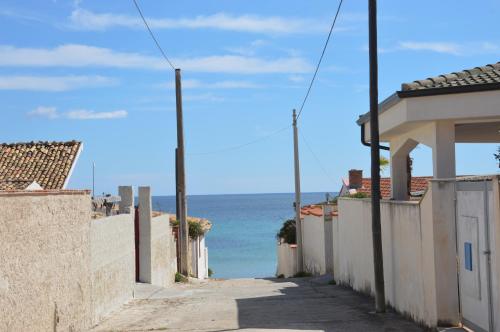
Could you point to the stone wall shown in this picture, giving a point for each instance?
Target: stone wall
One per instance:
(45, 261)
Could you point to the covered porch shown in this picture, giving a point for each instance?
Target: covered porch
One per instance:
(461, 107)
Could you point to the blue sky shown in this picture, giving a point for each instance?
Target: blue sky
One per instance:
(87, 70)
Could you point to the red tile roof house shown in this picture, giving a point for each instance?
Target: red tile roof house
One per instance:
(37, 165)
(356, 183)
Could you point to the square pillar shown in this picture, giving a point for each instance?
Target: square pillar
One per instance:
(443, 150)
(145, 219)
(399, 173)
(126, 204)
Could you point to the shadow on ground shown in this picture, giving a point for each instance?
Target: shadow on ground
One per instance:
(305, 305)
(302, 304)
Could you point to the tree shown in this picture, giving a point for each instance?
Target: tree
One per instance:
(497, 156)
(384, 163)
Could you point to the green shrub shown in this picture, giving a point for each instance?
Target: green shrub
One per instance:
(281, 276)
(302, 274)
(288, 232)
(180, 278)
(332, 282)
(359, 195)
(195, 229)
(210, 272)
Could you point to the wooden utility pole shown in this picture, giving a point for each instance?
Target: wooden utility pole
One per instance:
(298, 225)
(378, 261)
(181, 181)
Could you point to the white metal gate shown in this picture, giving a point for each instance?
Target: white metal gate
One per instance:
(474, 200)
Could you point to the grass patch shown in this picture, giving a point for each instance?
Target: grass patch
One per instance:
(302, 274)
(180, 278)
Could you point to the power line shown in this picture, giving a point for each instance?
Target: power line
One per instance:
(320, 59)
(152, 34)
(236, 147)
(316, 157)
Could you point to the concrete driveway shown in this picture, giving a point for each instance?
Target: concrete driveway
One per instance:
(302, 304)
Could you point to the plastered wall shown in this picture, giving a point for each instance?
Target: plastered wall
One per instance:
(112, 263)
(163, 259)
(45, 261)
(313, 243)
(407, 237)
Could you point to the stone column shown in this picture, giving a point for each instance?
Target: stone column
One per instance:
(399, 174)
(443, 150)
(145, 219)
(126, 194)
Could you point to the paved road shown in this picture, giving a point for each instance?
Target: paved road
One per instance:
(252, 305)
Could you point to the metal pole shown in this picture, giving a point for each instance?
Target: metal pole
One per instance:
(181, 185)
(378, 262)
(298, 225)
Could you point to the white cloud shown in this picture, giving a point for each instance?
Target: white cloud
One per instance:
(439, 47)
(203, 97)
(75, 55)
(296, 78)
(88, 20)
(53, 83)
(44, 111)
(51, 112)
(92, 115)
(197, 84)
(462, 49)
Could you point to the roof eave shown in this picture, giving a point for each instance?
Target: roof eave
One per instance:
(398, 95)
(382, 107)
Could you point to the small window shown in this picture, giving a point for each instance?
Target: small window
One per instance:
(468, 256)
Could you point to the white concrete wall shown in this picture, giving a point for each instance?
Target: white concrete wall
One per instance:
(163, 255)
(313, 244)
(409, 269)
(287, 260)
(45, 261)
(495, 248)
(112, 263)
(199, 257)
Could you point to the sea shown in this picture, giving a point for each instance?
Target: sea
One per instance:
(242, 241)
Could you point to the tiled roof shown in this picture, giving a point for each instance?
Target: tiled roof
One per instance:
(418, 183)
(47, 163)
(19, 184)
(314, 210)
(477, 76)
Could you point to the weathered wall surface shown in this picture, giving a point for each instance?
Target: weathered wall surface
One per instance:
(287, 260)
(408, 264)
(163, 256)
(313, 244)
(199, 257)
(45, 261)
(112, 263)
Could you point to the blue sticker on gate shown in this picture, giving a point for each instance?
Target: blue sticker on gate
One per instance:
(468, 256)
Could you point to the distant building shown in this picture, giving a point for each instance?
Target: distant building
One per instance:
(37, 165)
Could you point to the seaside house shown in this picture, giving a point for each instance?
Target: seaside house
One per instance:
(37, 165)
(457, 220)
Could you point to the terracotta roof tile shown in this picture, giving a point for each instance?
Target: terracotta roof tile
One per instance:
(480, 75)
(47, 163)
(418, 183)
